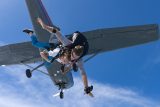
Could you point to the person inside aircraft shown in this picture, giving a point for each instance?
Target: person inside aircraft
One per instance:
(76, 60)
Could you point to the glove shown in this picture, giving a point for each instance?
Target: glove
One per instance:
(88, 89)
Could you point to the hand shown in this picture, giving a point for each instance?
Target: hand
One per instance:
(88, 91)
(39, 21)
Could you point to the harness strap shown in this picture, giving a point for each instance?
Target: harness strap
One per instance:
(61, 52)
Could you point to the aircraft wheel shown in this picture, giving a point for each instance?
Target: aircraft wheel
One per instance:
(61, 95)
(28, 73)
(91, 87)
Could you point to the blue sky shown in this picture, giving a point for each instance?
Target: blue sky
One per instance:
(133, 72)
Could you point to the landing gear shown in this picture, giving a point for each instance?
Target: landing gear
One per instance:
(61, 87)
(61, 95)
(29, 72)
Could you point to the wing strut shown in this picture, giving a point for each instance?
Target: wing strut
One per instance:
(28, 71)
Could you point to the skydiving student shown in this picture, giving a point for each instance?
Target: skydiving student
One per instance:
(51, 50)
(76, 60)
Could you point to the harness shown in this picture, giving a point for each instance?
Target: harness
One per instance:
(61, 52)
(80, 40)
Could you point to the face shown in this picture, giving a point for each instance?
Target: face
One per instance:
(74, 56)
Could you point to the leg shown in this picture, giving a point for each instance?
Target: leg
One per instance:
(38, 44)
(65, 41)
(44, 55)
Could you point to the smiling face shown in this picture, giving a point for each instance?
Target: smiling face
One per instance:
(65, 58)
(76, 52)
(74, 56)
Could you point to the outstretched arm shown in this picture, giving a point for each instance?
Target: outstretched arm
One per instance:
(65, 41)
(83, 73)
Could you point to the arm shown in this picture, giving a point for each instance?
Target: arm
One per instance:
(65, 41)
(83, 73)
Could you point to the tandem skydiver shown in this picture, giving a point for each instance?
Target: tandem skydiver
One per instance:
(77, 48)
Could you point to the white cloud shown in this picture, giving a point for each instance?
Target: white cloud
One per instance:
(19, 91)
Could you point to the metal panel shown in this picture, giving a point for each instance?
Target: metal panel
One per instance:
(15, 53)
(116, 38)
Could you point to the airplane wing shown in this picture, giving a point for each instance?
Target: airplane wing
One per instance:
(104, 40)
(17, 53)
(101, 40)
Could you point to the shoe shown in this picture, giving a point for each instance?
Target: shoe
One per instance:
(28, 31)
(54, 30)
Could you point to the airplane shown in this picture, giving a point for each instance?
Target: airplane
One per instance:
(100, 41)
